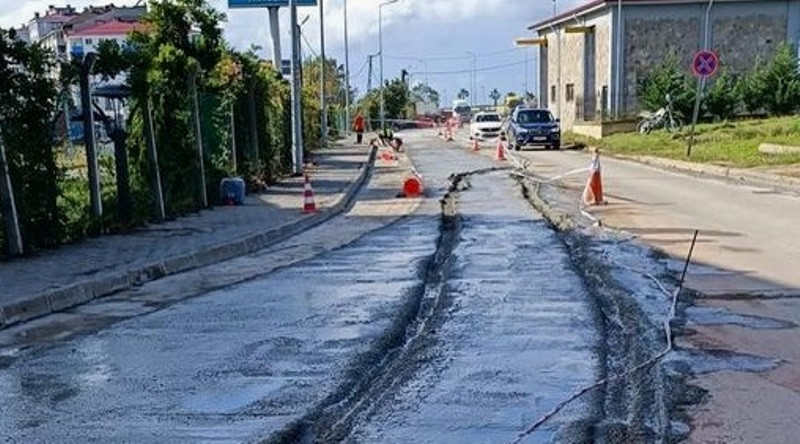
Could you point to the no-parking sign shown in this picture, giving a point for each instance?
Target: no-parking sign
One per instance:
(705, 63)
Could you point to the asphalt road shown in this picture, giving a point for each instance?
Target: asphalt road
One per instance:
(746, 269)
(457, 322)
(747, 231)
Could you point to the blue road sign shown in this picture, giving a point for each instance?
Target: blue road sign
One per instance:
(267, 3)
(705, 63)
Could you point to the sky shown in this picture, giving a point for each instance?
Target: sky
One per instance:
(432, 39)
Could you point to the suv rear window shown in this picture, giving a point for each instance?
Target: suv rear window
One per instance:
(488, 118)
(534, 116)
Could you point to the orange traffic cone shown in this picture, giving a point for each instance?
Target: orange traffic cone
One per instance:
(500, 153)
(412, 187)
(593, 194)
(387, 156)
(475, 146)
(309, 203)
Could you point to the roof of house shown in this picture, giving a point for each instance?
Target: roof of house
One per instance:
(592, 5)
(110, 28)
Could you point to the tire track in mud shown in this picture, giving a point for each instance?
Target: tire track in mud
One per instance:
(635, 408)
(402, 350)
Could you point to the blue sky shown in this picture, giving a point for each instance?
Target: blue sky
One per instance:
(430, 36)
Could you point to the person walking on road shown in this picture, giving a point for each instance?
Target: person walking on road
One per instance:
(358, 127)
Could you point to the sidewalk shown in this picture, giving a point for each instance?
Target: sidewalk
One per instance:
(760, 176)
(75, 274)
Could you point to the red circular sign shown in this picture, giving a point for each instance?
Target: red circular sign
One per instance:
(705, 63)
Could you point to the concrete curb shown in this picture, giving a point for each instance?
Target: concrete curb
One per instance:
(734, 174)
(82, 292)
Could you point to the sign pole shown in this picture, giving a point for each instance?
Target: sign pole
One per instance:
(704, 65)
(297, 118)
(275, 32)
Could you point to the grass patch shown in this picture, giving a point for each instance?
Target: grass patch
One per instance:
(726, 143)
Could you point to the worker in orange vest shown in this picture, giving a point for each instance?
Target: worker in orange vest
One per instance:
(358, 127)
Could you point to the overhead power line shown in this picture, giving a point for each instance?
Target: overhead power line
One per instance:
(445, 58)
(467, 71)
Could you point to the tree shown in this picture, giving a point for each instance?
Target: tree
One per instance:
(463, 94)
(495, 96)
(779, 83)
(397, 98)
(422, 92)
(668, 79)
(27, 105)
(334, 93)
(721, 98)
(529, 97)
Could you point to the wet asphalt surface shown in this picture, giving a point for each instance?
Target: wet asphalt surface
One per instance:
(462, 325)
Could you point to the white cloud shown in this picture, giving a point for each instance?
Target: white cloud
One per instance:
(417, 28)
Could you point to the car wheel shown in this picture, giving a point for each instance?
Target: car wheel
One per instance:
(556, 146)
(517, 147)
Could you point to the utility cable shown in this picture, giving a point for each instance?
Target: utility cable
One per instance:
(467, 71)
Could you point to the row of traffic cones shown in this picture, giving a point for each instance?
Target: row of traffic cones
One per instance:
(500, 150)
(412, 187)
(592, 193)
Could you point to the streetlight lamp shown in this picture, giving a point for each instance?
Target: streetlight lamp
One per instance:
(380, 53)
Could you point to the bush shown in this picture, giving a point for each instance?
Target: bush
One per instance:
(668, 78)
(780, 82)
(748, 92)
(721, 98)
(27, 104)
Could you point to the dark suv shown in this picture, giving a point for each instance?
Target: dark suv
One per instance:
(533, 127)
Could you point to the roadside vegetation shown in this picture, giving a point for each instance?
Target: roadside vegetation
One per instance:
(739, 113)
(244, 110)
(732, 144)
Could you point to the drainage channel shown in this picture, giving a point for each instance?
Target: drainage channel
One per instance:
(398, 354)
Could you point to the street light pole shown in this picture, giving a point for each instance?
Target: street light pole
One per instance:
(322, 99)
(474, 77)
(380, 53)
(297, 118)
(346, 74)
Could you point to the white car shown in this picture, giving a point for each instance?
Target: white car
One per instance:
(485, 126)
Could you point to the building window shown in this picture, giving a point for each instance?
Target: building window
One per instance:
(88, 41)
(570, 92)
(553, 96)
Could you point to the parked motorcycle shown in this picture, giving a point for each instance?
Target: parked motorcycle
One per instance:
(665, 118)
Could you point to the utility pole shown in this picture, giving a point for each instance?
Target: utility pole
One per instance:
(380, 54)
(297, 117)
(369, 73)
(346, 74)
(275, 32)
(88, 136)
(8, 207)
(322, 98)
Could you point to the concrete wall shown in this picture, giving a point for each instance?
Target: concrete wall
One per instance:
(573, 70)
(741, 33)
